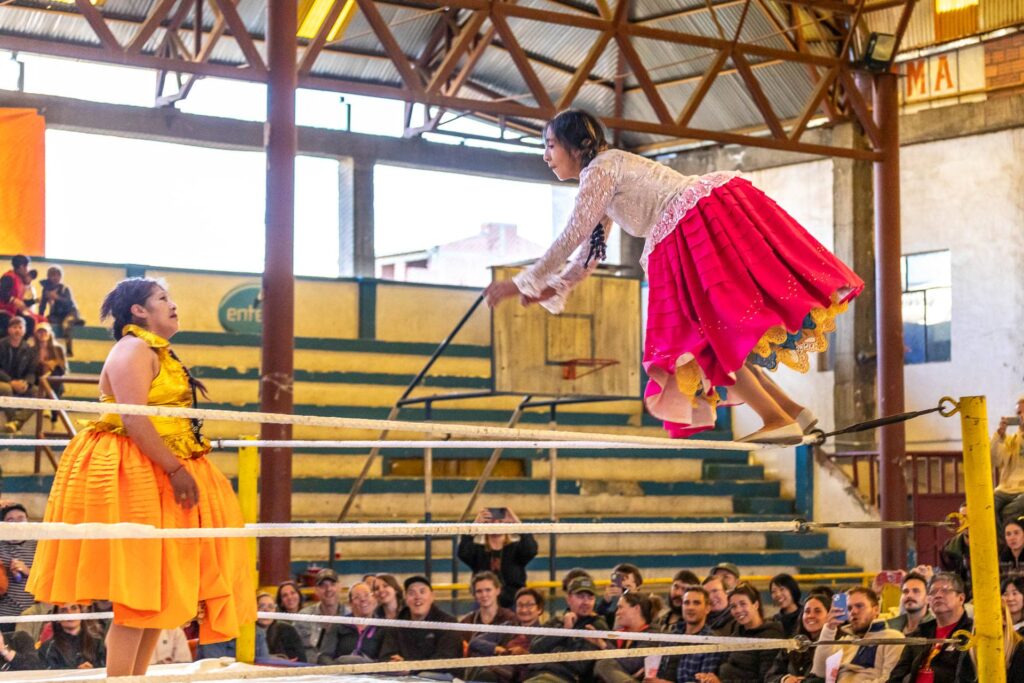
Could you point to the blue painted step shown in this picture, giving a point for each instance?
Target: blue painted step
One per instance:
(331, 377)
(759, 505)
(723, 470)
(394, 485)
(316, 343)
(530, 454)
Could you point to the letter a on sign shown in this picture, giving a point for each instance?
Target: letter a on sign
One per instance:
(943, 77)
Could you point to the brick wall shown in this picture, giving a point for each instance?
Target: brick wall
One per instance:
(1004, 63)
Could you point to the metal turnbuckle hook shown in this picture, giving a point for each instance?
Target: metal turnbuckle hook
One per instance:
(948, 406)
(966, 638)
(957, 522)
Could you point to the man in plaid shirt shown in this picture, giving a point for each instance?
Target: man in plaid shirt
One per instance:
(684, 669)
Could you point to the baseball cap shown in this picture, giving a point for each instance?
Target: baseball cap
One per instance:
(582, 584)
(326, 575)
(418, 578)
(727, 566)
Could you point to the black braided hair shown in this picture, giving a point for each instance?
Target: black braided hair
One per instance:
(580, 132)
(125, 294)
(598, 246)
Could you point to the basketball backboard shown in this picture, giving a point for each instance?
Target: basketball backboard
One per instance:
(591, 349)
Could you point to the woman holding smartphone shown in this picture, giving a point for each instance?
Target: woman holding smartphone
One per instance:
(1008, 459)
(504, 554)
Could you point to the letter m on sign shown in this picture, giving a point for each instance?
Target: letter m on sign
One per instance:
(917, 79)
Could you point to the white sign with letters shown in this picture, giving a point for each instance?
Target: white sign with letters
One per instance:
(943, 79)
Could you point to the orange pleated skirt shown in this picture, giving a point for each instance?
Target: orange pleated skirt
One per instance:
(153, 583)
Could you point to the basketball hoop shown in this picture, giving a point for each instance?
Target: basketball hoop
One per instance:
(571, 367)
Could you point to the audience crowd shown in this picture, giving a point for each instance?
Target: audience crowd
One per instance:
(30, 356)
(932, 604)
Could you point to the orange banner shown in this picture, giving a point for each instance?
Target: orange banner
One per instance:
(22, 182)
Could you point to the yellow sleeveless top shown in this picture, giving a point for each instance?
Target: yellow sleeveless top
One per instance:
(170, 387)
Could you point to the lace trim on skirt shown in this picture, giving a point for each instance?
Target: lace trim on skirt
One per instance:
(680, 205)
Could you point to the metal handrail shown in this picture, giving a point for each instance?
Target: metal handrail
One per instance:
(864, 578)
(45, 390)
(357, 485)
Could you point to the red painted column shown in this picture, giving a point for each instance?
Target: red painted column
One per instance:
(889, 306)
(278, 285)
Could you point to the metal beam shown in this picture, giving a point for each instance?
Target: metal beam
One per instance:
(502, 105)
(277, 358)
(889, 305)
(169, 125)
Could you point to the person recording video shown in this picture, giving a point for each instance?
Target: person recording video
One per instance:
(504, 554)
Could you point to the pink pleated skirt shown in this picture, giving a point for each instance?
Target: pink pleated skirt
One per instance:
(737, 279)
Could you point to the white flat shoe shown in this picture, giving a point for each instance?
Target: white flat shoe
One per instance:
(788, 435)
(807, 420)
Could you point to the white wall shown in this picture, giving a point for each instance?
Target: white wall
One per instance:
(805, 192)
(835, 501)
(967, 195)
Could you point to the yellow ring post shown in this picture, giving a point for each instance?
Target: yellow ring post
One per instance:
(988, 610)
(248, 499)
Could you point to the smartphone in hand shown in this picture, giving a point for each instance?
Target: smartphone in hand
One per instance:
(498, 514)
(839, 602)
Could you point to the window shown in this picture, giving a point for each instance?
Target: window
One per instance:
(927, 307)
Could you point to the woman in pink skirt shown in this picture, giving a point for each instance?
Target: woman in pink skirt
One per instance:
(734, 281)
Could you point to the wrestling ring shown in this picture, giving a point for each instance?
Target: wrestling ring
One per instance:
(987, 639)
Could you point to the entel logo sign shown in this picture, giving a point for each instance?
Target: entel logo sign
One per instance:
(239, 310)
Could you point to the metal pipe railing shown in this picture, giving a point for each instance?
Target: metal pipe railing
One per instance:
(357, 485)
(45, 390)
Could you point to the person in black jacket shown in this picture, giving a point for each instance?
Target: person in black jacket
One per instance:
(505, 555)
(409, 645)
(72, 646)
(955, 556)
(744, 666)
(282, 639)
(946, 599)
(786, 596)
(18, 364)
(790, 667)
(580, 598)
(350, 644)
(18, 653)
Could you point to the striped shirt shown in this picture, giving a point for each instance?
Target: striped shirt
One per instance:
(16, 600)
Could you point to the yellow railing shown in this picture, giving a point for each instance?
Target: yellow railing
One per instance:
(864, 578)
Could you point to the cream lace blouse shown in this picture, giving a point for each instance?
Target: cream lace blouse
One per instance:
(643, 197)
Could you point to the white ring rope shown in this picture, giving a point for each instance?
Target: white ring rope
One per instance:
(453, 429)
(656, 637)
(459, 663)
(646, 636)
(43, 531)
(43, 618)
(385, 444)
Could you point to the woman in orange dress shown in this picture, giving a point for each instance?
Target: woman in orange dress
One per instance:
(148, 471)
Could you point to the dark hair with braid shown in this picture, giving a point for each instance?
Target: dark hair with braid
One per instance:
(578, 131)
(125, 294)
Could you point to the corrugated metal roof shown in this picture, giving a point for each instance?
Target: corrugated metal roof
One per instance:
(676, 66)
(1000, 13)
(920, 30)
